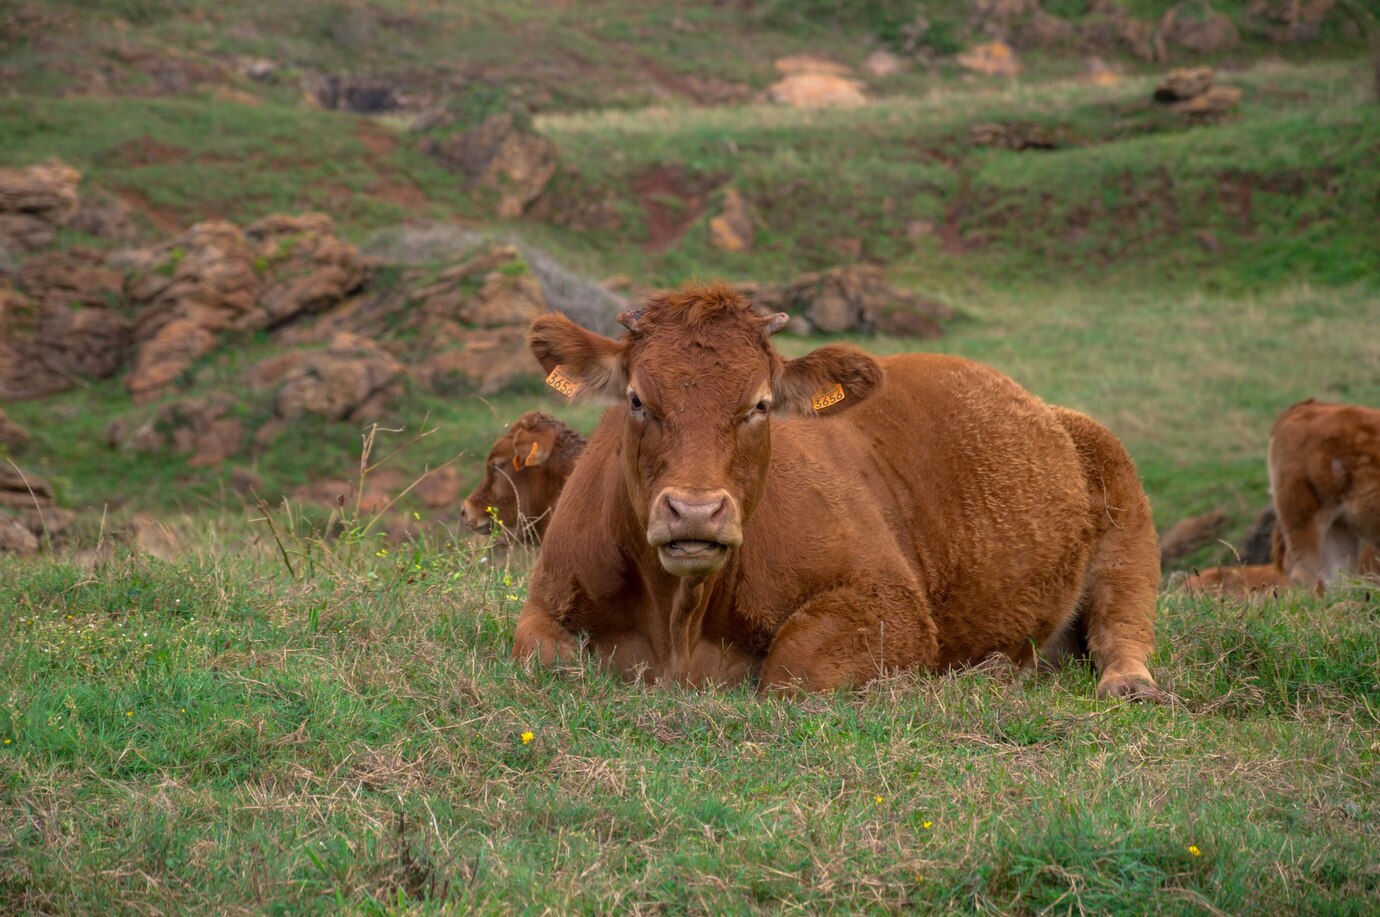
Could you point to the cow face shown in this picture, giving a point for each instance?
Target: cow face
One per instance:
(698, 379)
(515, 491)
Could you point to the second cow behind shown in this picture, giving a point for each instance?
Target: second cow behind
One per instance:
(523, 476)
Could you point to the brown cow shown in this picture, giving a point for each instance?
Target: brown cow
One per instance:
(523, 476)
(1250, 580)
(934, 514)
(1324, 467)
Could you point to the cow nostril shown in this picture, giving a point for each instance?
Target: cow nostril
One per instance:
(674, 509)
(717, 517)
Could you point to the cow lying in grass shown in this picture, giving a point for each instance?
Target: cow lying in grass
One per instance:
(523, 476)
(819, 521)
(1324, 467)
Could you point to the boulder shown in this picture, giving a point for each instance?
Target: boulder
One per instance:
(1199, 29)
(46, 348)
(1016, 135)
(22, 490)
(1108, 27)
(493, 288)
(484, 362)
(349, 380)
(76, 277)
(500, 156)
(1184, 83)
(1212, 105)
(881, 64)
(994, 58)
(105, 217)
(205, 275)
(817, 90)
(15, 537)
(165, 356)
(307, 269)
(202, 428)
(34, 202)
(12, 435)
(854, 298)
(731, 230)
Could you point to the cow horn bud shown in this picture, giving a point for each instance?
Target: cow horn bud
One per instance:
(775, 323)
(630, 319)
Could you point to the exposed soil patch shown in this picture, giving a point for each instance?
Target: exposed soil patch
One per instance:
(672, 201)
(146, 151)
(163, 219)
(378, 142)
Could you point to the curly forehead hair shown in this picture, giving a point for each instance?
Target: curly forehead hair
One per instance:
(710, 313)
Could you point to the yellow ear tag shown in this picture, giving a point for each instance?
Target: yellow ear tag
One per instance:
(562, 383)
(827, 397)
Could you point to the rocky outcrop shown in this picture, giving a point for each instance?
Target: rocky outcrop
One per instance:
(47, 347)
(307, 268)
(852, 298)
(205, 276)
(1190, 92)
(166, 356)
(204, 429)
(993, 58)
(34, 202)
(349, 380)
(12, 435)
(1197, 28)
(499, 156)
(484, 361)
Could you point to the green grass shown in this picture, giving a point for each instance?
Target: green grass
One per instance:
(216, 735)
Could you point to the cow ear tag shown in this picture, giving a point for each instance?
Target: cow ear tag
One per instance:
(827, 396)
(517, 463)
(532, 457)
(562, 383)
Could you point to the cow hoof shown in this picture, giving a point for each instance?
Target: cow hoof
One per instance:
(1134, 688)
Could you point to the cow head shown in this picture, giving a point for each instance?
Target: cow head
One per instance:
(698, 380)
(519, 487)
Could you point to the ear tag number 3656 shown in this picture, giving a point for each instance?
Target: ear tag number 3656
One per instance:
(827, 396)
(562, 383)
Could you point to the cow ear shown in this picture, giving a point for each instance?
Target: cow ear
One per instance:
(532, 447)
(578, 363)
(830, 379)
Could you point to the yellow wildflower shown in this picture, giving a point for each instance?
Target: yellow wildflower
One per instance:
(129, 713)
(1193, 849)
(877, 798)
(926, 825)
(527, 737)
(7, 741)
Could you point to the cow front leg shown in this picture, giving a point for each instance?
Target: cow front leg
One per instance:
(539, 634)
(849, 637)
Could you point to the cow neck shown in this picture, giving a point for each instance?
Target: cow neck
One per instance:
(686, 625)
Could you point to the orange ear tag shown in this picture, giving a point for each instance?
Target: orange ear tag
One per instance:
(562, 383)
(531, 456)
(826, 397)
(517, 463)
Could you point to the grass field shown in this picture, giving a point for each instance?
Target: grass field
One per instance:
(217, 736)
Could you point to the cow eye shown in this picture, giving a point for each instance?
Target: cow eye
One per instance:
(761, 406)
(635, 402)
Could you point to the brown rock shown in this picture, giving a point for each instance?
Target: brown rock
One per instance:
(1096, 72)
(854, 297)
(816, 90)
(105, 217)
(1014, 136)
(881, 64)
(15, 537)
(731, 230)
(793, 64)
(34, 202)
(1212, 105)
(245, 482)
(46, 348)
(307, 269)
(507, 294)
(995, 58)
(198, 427)
(49, 524)
(484, 362)
(206, 276)
(156, 538)
(267, 373)
(76, 277)
(1108, 27)
(12, 435)
(166, 356)
(1191, 533)
(498, 155)
(1197, 28)
(351, 379)
(440, 488)
(910, 323)
(21, 489)
(1184, 83)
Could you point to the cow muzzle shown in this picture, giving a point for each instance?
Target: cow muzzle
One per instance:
(693, 530)
(476, 518)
